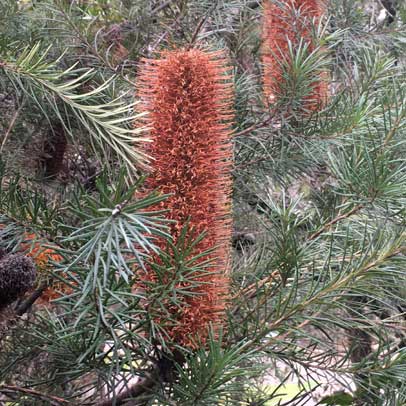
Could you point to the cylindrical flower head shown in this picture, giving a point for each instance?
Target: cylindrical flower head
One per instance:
(287, 21)
(188, 97)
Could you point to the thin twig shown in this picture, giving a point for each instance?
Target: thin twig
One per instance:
(154, 45)
(251, 128)
(26, 305)
(161, 7)
(251, 289)
(93, 49)
(143, 386)
(394, 128)
(336, 220)
(201, 23)
(11, 126)
(54, 400)
(337, 285)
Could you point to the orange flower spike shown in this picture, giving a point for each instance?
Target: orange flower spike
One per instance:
(42, 257)
(284, 21)
(188, 97)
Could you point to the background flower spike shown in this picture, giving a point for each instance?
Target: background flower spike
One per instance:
(290, 27)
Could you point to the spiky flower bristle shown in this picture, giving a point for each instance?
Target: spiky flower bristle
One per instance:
(284, 22)
(188, 97)
(43, 256)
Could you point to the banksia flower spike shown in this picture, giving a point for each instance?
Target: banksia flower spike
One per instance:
(17, 276)
(42, 257)
(188, 96)
(291, 21)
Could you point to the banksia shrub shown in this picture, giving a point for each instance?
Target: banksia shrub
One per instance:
(188, 96)
(291, 21)
(17, 276)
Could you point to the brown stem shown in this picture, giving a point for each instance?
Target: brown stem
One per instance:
(11, 126)
(54, 400)
(142, 387)
(251, 289)
(26, 305)
(253, 127)
(320, 295)
(336, 220)
(161, 7)
(201, 23)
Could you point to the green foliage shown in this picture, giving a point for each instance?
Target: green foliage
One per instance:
(106, 122)
(317, 286)
(211, 377)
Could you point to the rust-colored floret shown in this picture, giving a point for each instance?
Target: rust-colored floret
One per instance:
(284, 21)
(42, 257)
(188, 97)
